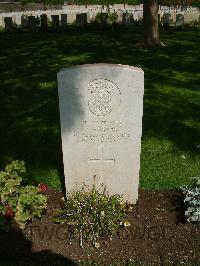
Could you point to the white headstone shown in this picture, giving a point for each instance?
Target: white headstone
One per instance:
(24, 21)
(81, 20)
(173, 17)
(120, 17)
(2, 23)
(179, 20)
(31, 22)
(63, 20)
(8, 23)
(135, 16)
(55, 21)
(101, 108)
(140, 15)
(190, 17)
(44, 21)
(18, 19)
(128, 19)
(166, 19)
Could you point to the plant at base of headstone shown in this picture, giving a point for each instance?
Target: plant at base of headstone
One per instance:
(101, 19)
(195, 24)
(192, 198)
(97, 18)
(112, 16)
(31, 203)
(91, 215)
(18, 203)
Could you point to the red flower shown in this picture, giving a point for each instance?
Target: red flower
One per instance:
(9, 213)
(42, 187)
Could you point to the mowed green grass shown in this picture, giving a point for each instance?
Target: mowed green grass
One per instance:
(29, 115)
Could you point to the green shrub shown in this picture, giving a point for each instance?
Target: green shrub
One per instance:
(19, 203)
(195, 24)
(112, 16)
(101, 19)
(192, 198)
(91, 215)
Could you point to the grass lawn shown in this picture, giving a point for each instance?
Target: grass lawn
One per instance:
(29, 117)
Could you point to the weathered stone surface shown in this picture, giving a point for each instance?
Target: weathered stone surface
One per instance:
(31, 23)
(179, 20)
(63, 20)
(8, 24)
(55, 21)
(101, 108)
(44, 21)
(24, 21)
(81, 20)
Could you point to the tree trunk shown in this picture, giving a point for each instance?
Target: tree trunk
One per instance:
(150, 21)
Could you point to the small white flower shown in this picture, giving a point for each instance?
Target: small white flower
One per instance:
(183, 156)
(97, 245)
(127, 224)
(122, 203)
(102, 213)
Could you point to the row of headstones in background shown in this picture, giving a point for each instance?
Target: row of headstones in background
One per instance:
(180, 19)
(55, 21)
(129, 18)
(30, 22)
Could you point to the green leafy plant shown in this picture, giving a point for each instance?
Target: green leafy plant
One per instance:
(101, 19)
(192, 198)
(112, 16)
(19, 203)
(195, 24)
(91, 214)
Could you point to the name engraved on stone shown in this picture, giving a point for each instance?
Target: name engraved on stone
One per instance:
(103, 97)
(102, 132)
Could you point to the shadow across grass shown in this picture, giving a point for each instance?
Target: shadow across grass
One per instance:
(29, 114)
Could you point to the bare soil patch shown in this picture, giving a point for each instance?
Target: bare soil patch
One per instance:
(159, 235)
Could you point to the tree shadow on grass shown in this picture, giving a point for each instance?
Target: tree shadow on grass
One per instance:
(29, 115)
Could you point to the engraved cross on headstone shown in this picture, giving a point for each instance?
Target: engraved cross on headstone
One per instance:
(101, 160)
